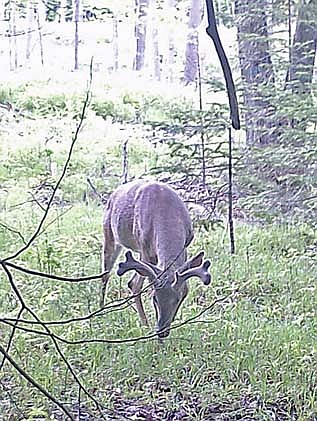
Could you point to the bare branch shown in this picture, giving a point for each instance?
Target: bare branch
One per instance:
(34, 383)
(70, 152)
(12, 336)
(14, 231)
(50, 334)
(153, 335)
(50, 276)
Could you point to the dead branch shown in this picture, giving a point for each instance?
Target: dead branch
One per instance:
(51, 276)
(212, 31)
(34, 383)
(14, 231)
(49, 334)
(151, 336)
(59, 181)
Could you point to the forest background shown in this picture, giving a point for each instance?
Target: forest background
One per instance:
(155, 106)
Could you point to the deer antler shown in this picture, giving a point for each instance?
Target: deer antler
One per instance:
(133, 264)
(200, 271)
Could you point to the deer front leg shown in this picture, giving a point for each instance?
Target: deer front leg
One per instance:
(104, 282)
(111, 251)
(135, 284)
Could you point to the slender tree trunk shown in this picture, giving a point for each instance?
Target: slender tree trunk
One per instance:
(192, 54)
(13, 52)
(256, 71)
(30, 18)
(140, 33)
(230, 196)
(170, 62)
(115, 44)
(155, 41)
(156, 53)
(76, 39)
(303, 51)
(62, 11)
(40, 18)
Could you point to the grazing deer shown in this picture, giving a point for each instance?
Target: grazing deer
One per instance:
(150, 218)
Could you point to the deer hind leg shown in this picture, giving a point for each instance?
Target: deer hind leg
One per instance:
(135, 284)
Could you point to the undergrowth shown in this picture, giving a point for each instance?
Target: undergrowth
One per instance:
(252, 353)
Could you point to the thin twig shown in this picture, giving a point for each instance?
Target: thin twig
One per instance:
(10, 341)
(136, 339)
(51, 276)
(50, 334)
(34, 383)
(59, 181)
(2, 224)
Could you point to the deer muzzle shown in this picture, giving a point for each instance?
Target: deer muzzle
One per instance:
(164, 333)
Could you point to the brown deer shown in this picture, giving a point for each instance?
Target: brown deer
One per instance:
(151, 219)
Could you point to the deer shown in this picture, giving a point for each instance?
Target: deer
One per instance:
(150, 218)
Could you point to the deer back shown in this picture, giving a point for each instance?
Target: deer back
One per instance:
(150, 218)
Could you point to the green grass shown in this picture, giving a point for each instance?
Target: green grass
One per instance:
(252, 354)
(259, 343)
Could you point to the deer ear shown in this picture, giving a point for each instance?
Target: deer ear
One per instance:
(196, 260)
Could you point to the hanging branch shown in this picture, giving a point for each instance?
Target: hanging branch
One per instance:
(212, 31)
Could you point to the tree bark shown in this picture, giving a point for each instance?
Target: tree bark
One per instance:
(40, 17)
(256, 71)
(13, 50)
(62, 11)
(76, 38)
(303, 52)
(156, 52)
(192, 53)
(170, 60)
(30, 18)
(140, 32)
(115, 44)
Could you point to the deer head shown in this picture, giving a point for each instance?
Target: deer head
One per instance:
(170, 288)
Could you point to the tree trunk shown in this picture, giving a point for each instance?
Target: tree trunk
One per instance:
(40, 18)
(30, 19)
(256, 71)
(170, 61)
(155, 42)
(13, 51)
(303, 52)
(115, 44)
(192, 54)
(62, 11)
(156, 53)
(76, 39)
(140, 33)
